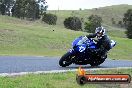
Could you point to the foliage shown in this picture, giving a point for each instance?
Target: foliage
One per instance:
(5, 6)
(50, 19)
(89, 27)
(21, 37)
(18, 10)
(120, 23)
(128, 22)
(2, 9)
(32, 10)
(42, 6)
(73, 23)
(93, 22)
(113, 21)
(26, 8)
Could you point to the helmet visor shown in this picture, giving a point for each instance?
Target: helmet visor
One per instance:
(99, 34)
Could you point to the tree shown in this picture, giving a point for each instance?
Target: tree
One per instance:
(80, 9)
(32, 10)
(2, 9)
(93, 22)
(42, 6)
(128, 22)
(5, 6)
(26, 9)
(18, 10)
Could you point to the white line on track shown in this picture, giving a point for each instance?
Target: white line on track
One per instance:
(56, 71)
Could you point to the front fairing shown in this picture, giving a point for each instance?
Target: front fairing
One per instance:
(74, 43)
(80, 48)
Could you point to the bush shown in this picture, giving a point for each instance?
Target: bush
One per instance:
(2, 9)
(120, 23)
(93, 22)
(128, 22)
(50, 19)
(73, 23)
(89, 27)
(113, 21)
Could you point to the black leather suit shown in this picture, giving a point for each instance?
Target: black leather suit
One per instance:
(103, 44)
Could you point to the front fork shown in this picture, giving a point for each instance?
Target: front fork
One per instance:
(73, 54)
(71, 50)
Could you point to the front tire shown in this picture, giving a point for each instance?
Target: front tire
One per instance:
(66, 59)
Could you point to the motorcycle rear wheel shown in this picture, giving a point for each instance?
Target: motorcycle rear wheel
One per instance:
(97, 61)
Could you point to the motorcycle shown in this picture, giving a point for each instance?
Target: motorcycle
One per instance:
(82, 55)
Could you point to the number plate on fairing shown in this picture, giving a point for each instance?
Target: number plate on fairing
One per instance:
(80, 48)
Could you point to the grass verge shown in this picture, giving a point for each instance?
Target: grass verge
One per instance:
(20, 37)
(59, 80)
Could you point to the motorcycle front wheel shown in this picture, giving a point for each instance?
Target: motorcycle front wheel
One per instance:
(66, 59)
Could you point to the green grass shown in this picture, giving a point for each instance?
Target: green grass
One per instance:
(122, 50)
(17, 37)
(58, 80)
(20, 37)
(108, 12)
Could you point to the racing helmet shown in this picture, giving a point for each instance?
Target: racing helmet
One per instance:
(100, 31)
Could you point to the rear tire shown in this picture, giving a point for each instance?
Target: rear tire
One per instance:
(97, 61)
(66, 59)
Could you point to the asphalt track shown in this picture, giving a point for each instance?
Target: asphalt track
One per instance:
(17, 64)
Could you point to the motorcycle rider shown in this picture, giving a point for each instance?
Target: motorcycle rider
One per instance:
(103, 42)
